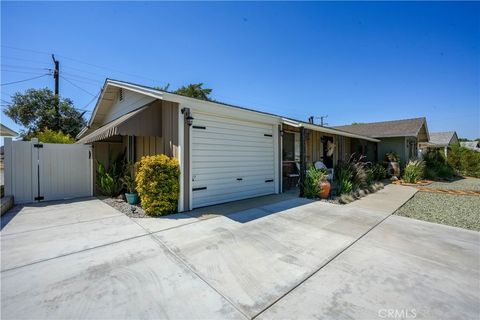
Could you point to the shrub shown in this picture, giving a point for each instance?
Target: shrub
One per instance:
(313, 180)
(413, 171)
(157, 184)
(108, 180)
(50, 136)
(352, 175)
(379, 172)
(436, 166)
(465, 161)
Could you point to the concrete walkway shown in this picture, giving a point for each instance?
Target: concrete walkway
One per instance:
(288, 259)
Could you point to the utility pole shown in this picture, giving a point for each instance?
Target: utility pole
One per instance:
(56, 76)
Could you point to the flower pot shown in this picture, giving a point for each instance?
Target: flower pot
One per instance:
(132, 198)
(325, 185)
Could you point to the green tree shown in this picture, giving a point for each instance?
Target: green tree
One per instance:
(195, 90)
(50, 136)
(35, 110)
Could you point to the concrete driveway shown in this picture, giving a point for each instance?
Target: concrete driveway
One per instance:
(288, 259)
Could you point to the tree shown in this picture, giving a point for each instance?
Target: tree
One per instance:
(194, 90)
(35, 110)
(50, 136)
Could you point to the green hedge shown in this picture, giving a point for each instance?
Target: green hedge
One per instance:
(157, 181)
(464, 161)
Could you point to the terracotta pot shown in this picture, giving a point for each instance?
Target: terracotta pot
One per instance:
(325, 185)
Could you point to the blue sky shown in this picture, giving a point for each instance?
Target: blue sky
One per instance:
(355, 62)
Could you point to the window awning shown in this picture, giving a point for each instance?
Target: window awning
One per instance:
(145, 121)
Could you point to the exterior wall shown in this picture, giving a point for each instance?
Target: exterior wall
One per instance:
(396, 144)
(365, 148)
(131, 101)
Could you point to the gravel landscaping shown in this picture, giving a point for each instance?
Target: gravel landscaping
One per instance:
(126, 208)
(455, 210)
(461, 184)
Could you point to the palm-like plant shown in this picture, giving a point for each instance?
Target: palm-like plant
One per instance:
(194, 90)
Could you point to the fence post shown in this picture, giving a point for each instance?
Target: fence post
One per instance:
(35, 169)
(8, 169)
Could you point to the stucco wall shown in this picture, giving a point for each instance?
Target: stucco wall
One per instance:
(396, 144)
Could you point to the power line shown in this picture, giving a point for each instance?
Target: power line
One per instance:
(24, 72)
(24, 80)
(79, 61)
(22, 67)
(76, 86)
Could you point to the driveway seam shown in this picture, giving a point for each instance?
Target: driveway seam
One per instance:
(188, 267)
(59, 225)
(321, 267)
(72, 253)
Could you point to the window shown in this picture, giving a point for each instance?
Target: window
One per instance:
(288, 146)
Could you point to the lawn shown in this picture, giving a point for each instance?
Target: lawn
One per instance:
(461, 211)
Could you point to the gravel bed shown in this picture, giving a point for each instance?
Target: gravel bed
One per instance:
(122, 206)
(461, 184)
(453, 210)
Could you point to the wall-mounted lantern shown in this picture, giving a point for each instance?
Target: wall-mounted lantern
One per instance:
(188, 116)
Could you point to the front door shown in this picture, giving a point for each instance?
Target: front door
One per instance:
(327, 159)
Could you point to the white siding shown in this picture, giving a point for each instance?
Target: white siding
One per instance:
(131, 101)
(232, 159)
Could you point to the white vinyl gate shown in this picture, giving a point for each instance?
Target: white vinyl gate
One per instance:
(47, 171)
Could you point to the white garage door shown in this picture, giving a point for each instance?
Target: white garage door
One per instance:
(231, 160)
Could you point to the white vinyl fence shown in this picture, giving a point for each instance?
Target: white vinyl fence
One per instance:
(47, 171)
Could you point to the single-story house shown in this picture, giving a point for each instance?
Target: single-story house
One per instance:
(472, 145)
(6, 131)
(400, 136)
(440, 140)
(225, 152)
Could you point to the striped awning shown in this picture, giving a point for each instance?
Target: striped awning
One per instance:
(145, 121)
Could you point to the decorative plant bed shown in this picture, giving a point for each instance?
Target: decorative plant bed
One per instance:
(122, 206)
(355, 195)
(418, 184)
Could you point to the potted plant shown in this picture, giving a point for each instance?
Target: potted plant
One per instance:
(393, 167)
(324, 187)
(129, 183)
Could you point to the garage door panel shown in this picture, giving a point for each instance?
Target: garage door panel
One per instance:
(207, 199)
(224, 150)
(233, 124)
(245, 175)
(228, 142)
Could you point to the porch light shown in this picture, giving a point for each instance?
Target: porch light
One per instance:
(188, 114)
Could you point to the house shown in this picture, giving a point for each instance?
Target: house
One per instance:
(472, 145)
(225, 152)
(6, 131)
(440, 140)
(400, 136)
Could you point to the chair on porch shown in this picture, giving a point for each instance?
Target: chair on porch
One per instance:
(293, 177)
(330, 171)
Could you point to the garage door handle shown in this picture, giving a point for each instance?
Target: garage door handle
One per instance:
(239, 179)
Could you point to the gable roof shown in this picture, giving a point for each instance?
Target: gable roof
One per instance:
(107, 96)
(442, 138)
(6, 131)
(387, 129)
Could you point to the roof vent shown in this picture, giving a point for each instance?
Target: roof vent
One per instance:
(120, 95)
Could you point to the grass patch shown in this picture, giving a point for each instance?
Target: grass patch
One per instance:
(453, 210)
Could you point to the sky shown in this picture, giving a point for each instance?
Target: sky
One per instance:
(352, 62)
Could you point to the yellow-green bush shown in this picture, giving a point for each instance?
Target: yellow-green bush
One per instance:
(157, 184)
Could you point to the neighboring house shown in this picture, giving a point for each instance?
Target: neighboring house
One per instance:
(225, 152)
(472, 145)
(400, 136)
(440, 140)
(7, 132)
